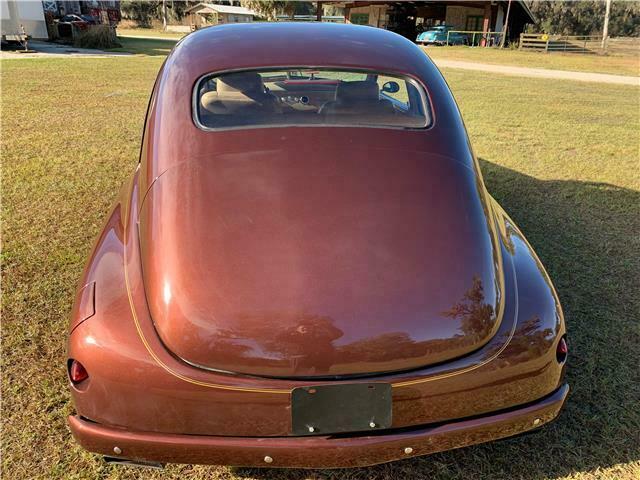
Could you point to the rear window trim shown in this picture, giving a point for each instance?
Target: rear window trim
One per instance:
(427, 104)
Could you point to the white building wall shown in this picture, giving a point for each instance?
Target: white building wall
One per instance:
(30, 14)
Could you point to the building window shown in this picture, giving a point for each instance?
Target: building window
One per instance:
(474, 23)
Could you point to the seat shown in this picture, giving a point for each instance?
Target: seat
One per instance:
(239, 94)
(359, 98)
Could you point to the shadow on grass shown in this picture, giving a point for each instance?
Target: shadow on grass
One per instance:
(145, 46)
(586, 235)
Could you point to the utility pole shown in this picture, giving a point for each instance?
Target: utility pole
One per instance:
(605, 28)
(506, 26)
(164, 15)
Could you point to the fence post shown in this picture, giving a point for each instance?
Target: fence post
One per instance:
(520, 46)
(448, 38)
(546, 45)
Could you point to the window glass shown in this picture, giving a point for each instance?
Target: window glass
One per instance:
(402, 95)
(308, 96)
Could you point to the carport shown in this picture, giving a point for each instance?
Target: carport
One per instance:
(406, 18)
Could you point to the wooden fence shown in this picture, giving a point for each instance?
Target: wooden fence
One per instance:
(578, 44)
(560, 43)
(624, 45)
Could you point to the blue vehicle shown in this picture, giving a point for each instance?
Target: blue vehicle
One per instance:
(438, 36)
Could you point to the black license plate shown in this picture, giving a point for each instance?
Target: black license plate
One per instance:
(326, 409)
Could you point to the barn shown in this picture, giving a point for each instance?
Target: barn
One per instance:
(409, 18)
(207, 14)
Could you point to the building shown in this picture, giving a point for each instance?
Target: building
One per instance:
(207, 14)
(101, 10)
(310, 18)
(19, 14)
(409, 18)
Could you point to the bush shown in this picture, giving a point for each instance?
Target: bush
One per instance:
(97, 36)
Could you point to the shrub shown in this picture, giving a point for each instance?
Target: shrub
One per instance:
(97, 36)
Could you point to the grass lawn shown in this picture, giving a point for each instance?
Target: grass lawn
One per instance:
(144, 46)
(561, 157)
(148, 32)
(615, 64)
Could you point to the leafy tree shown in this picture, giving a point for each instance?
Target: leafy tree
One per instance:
(145, 12)
(586, 17)
(270, 9)
(141, 12)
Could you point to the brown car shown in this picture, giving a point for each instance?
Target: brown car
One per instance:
(306, 269)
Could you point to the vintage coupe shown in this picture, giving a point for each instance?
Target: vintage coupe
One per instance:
(306, 270)
(441, 35)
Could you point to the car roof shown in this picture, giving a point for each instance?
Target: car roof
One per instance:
(171, 135)
(259, 45)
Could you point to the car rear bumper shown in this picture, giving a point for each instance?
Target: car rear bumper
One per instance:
(314, 452)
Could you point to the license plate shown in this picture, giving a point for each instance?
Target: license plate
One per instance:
(326, 409)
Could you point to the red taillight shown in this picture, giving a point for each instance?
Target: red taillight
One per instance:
(77, 373)
(562, 350)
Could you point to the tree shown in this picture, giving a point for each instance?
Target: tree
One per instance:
(586, 17)
(270, 9)
(144, 13)
(141, 12)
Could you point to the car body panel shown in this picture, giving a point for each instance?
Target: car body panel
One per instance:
(317, 263)
(137, 384)
(134, 381)
(318, 452)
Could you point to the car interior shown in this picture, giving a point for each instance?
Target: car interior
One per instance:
(310, 97)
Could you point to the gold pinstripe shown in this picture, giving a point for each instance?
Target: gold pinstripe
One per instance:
(288, 391)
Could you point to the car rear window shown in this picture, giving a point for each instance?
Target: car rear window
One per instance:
(309, 96)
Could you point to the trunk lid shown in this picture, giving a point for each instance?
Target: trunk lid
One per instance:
(332, 264)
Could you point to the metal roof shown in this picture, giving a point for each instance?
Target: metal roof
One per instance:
(214, 7)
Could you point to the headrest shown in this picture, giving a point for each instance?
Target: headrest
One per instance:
(242, 82)
(357, 91)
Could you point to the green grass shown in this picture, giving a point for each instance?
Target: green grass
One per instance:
(561, 157)
(615, 64)
(148, 32)
(144, 46)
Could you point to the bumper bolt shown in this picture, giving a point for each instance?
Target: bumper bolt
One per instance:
(372, 425)
(408, 450)
(537, 421)
(311, 429)
(268, 459)
(117, 450)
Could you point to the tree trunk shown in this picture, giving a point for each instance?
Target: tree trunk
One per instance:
(605, 28)
(164, 15)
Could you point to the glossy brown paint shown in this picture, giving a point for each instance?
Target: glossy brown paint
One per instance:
(309, 254)
(309, 262)
(317, 452)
